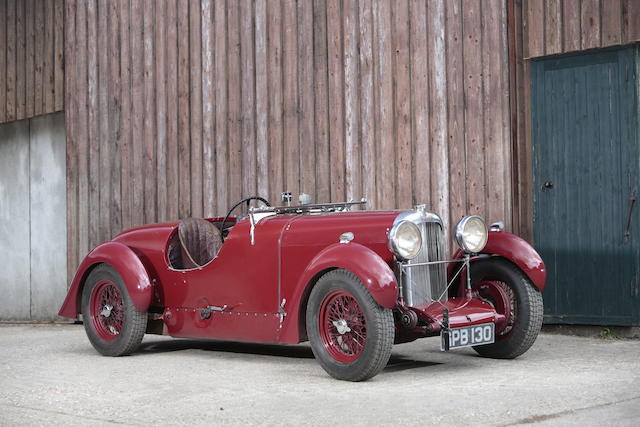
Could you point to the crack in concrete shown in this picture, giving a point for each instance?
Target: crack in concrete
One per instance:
(546, 417)
(81, 417)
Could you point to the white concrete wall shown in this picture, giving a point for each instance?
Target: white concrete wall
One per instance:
(15, 275)
(33, 242)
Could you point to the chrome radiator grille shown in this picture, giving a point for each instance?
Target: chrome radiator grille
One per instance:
(428, 282)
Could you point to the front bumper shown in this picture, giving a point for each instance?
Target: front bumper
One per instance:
(461, 312)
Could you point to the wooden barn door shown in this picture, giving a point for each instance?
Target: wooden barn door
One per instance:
(586, 177)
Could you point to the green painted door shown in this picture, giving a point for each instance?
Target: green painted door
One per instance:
(586, 176)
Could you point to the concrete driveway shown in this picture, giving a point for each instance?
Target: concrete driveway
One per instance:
(50, 375)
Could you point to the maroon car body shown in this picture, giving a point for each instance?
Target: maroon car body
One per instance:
(257, 288)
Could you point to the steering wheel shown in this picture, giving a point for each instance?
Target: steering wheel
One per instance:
(245, 200)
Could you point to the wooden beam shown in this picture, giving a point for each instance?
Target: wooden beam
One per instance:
(184, 153)
(306, 98)
(71, 115)
(276, 179)
(321, 107)
(367, 109)
(195, 97)
(161, 98)
(386, 152)
(173, 179)
(291, 140)
(58, 55)
(402, 105)
(222, 183)
(10, 93)
(248, 131)
(208, 110)
(353, 158)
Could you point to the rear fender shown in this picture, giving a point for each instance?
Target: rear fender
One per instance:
(125, 262)
(516, 250)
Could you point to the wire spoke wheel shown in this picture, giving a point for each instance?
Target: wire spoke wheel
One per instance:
(107, 310)
(503, 299)
(512, 295)
(113, 324)
(342, 326)
(351, 335)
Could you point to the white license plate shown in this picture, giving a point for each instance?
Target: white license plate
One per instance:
(468, 336)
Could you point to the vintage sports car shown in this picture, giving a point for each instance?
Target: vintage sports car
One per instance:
(352, 282)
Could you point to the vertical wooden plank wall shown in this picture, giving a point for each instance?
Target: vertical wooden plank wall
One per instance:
(31, 58)
(194, 104)
(559, 26)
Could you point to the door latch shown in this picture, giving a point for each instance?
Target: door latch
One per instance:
(548, 185)
(205, 312)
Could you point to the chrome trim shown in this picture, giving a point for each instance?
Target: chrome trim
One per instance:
(418, 217)
(419, 264)
(254, 219)
(346, 237)
(311, 208)
(497, 226)
(423, 278)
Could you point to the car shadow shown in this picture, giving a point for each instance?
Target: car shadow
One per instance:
(293, 351)
(396, 363)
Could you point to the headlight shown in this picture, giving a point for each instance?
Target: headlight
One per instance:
(405, 240)
(471, 234)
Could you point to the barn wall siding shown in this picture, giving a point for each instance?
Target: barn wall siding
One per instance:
(178, 108)
(560, 26)
(31, 58)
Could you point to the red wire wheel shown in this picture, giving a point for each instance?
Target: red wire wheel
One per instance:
(107, 310)
(503, 299)
(113, 324)
(351, 335)
(513, 295)
(342, 326)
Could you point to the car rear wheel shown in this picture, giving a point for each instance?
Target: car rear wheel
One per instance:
(111, 321)
(351, 335)
(513, 295)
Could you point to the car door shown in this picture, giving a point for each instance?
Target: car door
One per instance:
(235, 296)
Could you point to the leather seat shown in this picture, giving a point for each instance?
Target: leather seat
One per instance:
(200, 242)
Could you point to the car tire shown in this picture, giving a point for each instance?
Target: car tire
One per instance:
(113, 324)
(499, 281)
(351, 335)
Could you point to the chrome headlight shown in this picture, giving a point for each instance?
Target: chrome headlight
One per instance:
(405, 240)
(471, 234)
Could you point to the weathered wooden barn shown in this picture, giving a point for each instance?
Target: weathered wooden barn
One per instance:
(524, 111)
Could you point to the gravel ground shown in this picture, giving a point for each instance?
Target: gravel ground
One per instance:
(50, 375)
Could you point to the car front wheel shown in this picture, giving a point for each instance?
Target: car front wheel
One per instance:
(111, 321)
(351, 335)
(513, 295)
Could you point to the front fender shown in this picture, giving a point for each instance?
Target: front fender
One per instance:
(516, 250)
(125, 262)
(372, 271)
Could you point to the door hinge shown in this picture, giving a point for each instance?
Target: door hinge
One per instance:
(632, 202)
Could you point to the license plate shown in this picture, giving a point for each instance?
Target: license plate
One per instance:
(468, 336)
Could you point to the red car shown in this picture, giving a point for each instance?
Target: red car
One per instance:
(353, 283)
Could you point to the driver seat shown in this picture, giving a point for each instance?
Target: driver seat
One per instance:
(200, 242)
